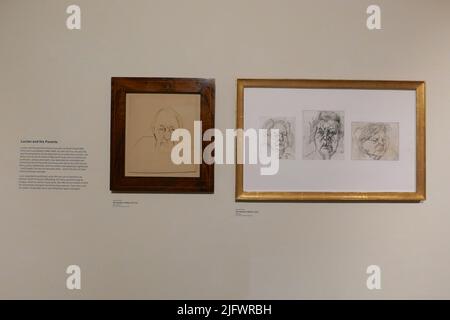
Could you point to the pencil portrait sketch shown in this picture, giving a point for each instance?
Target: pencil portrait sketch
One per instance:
(151, 120)
(323, 135)
(286, 138)
(164, 123)
(375, 141)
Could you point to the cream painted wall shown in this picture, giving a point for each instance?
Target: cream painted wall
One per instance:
(55, 83)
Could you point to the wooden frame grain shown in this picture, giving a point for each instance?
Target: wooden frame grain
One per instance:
(120, 86)
(417, 196)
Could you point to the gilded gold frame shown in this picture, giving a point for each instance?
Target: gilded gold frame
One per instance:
(418, 195)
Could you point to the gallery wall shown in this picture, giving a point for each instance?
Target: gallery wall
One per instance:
(55, 84)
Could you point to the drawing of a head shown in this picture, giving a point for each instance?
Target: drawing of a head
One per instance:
(373, 140)
(165, 122)
(285, 137)
(326, 132)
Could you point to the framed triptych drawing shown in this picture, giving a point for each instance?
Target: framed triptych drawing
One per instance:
(339, 140)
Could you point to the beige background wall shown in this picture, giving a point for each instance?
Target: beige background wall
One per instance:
(55, 83)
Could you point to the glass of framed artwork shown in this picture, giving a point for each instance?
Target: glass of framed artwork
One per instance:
(144, 114)
(339, 140)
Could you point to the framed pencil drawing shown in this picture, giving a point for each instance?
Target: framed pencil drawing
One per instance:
(338, 140)
(144, 114)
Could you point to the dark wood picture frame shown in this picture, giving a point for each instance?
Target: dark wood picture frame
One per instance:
(120, 86)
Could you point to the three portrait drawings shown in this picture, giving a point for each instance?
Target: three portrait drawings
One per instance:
(323, 137)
